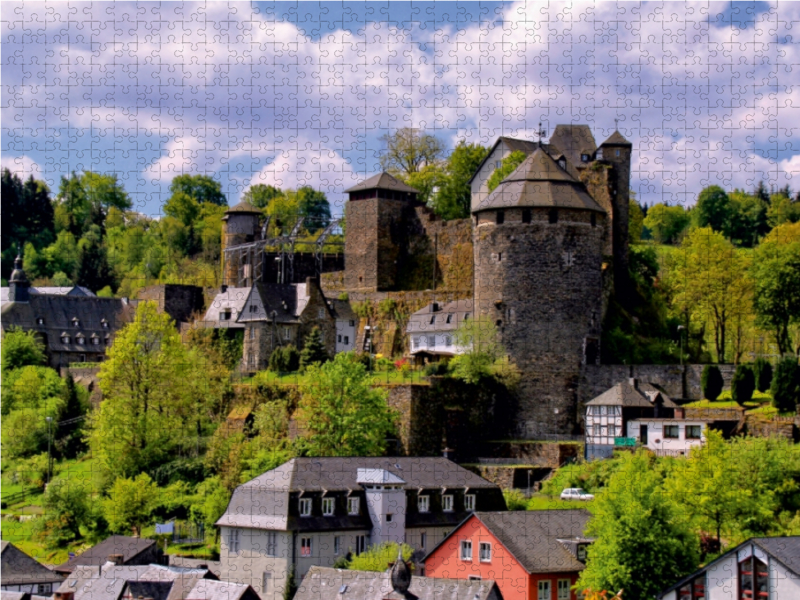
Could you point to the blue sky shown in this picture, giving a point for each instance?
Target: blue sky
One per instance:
(300, 93)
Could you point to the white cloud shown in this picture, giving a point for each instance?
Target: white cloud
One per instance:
(23, 166)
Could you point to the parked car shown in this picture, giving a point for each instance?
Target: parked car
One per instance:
(576, 494)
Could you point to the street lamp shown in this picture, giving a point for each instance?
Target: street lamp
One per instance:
(530, 472)
(49, 456)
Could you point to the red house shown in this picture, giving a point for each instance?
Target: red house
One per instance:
(532, 555)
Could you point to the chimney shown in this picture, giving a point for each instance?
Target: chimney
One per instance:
(223, 288)
(435, 307)
(117, 559)
(680, 413)
(634, 382)
(63, 595)
(449, 454)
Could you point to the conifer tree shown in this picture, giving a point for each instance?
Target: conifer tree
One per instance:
(314, 349)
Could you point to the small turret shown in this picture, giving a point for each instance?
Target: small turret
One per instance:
(401, 575)
(18, 285)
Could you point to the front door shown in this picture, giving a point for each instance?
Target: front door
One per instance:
(643, 434)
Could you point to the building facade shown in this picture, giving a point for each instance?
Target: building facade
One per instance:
(311, 511)
(431, 330)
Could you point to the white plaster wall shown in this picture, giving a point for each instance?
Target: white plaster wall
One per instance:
(783, 584)
(381, 503)
(344, 329)
(656, 439)
(440, 343)
(248, 565)
(479, 188)
(721, 579)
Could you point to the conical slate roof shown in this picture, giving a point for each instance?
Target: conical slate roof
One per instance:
(616, 139)
(540, 183)
(243, 207)
(383, 181)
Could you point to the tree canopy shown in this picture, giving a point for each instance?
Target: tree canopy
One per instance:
(201, 188)
(408, 150)
(507, 167)
(22, 348)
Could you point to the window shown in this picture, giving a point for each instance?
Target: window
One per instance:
(252, 332)
(346, 339)
(338, 339)
(352, 323)
(469, 502)
(593, 219)
(485, 549)
(423, 538)
(81, 341)
(599, 154)
(40, 321)
(321, 313)
(305, 507)
(233, 541)
(328, 506)
(44, 588)
(696, 590)
(466, 316)
(433, 320)
(448, 341)
(76, 322)
(225, 315)
(562, 163)
(672, 432)
(361, 543)
(581, 552)
(552, 216)
(415, 342)
(753, 579)
(251, 360)
(585, 158)
(497, 164)
(423, 503)
(616, 152)
(466, 550)
(305, 547)
(272, 543)
(447, 503)
(474, 578)
(337, 545)
(693, 432)
(563, 589)
(95, 341)
(104, 324)
(544, 590)
(265, 580)
(353, 506)
(511, 315)
(500, 217)
(596, 429)
(286, 333)
(526, 215)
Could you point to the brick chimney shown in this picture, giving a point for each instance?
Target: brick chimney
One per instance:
(117, 559)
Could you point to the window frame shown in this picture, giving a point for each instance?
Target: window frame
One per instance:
(353, 501)
(568, 589)
(541, 594)
(485, 557)
(361, 544)
(337, 545)
(469, 502)
(272, 543)
(692, 428)
(266, 577)
(580, 552)
(328, 507)
(447, 503)
(423, 503)
(304, 507)
(306, 547)
(233, 541)
(465, 553)
(669, 430)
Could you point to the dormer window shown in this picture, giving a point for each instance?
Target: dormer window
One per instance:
(104, 324)
(581, 552)
(447, 503)
(353, 506)
(40, 321)
(585, 158)
(305, 507)
(599, 154)
(107, 338)
(225, 315)
(95, 340)
(65, 339)
(562, 163)
(76, 322)
(80, 339)
(328, 505)
(423, 503)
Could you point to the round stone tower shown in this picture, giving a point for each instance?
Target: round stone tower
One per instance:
(538, 241)
(239, 226)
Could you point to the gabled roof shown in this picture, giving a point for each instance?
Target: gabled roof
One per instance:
(207, 589)
(382, 181)
(321, 583)
(342, 310)
(69, 290)
(447, 318)
(532, 536)
(128, 547)
(632, 393)
(540, 182)
(233, 299)
(572, 141)
(100, 582)
(17, 568)
(784, 549)
(513, 144)
(272, 301)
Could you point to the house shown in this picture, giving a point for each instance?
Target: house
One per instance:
(431, 330)
(110, 581)
(311, 511)
(668, 437)
(765, 568)
(530, 554)
(5, 595)
(225, 309)
(276, 315)
(208, 589)
(608, 415)
(74, 328)
(74, 290)
(346, 325)
(21, 573)
(120, 550)
(322, 583)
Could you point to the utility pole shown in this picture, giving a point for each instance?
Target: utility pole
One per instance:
(49, 455)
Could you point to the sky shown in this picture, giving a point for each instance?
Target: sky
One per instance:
(293, 94)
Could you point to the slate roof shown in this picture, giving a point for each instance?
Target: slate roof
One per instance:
(625, 393)
(94, 582)
(572, 141)
(457, 311)
(532, 536)
(785, 550)
(343, 310)
(616, 139)
(68, 290)
(282, 299)
(382, 181)
(540, 183)
(208, 589)
(128, 547)
(232, 298)
(321, 583)
(263, 502)
(243, 207)
(17, 568)
(58, 313)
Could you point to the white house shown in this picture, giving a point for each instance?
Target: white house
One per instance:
(758, 569)
(668, 437)
(346, 325)
(21, 573)
(224, 310)
(431, 330)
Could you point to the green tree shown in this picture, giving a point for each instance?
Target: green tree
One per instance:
(428, 181)
(339, 412)
(507, 167)
(635, 221)
(314, 208)
(376, 557)
(201, 188)
(454, 197)
(782, 210)
(210, 503)
(313, 349)
(284, 359)
(67, 509)
(785, 388)
(85, 199)
(130, 504)
(748, 221)
(183, 207)
(711, 382)
(482, 350)
(743, 384)
(776, 272)
(93, 270)
(763, 373)
(408, 150)
(260, 195)
(144, 390)
(714, 210)
(643, 542)
(666, 223)
(69, 438)
(21, 349)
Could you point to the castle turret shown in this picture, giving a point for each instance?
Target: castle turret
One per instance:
(373, 221)
(538, 243)
(18, 285)
(616, 151)
(239, 226)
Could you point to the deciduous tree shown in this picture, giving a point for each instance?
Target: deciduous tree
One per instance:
(666, 223)
(453, 199)
(260, 195)
(408, 150)
(130, 504)
(200, 187)
(21, 349)
(507, 167)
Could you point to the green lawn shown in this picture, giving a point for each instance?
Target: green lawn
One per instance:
(769, 411)
(719, 404)
(392, 377)
(542, 502)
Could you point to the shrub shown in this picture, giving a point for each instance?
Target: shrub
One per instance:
(435, 368)
(515, 500)
(763, 374)
(383, 364)
(743, 384)
(378, 557)
(711, 382)
(22, 349)
(285, 359)
(786, 384)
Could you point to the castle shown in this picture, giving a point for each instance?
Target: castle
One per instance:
(538, 258)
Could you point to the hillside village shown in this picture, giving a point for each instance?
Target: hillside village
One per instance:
(397, 403)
